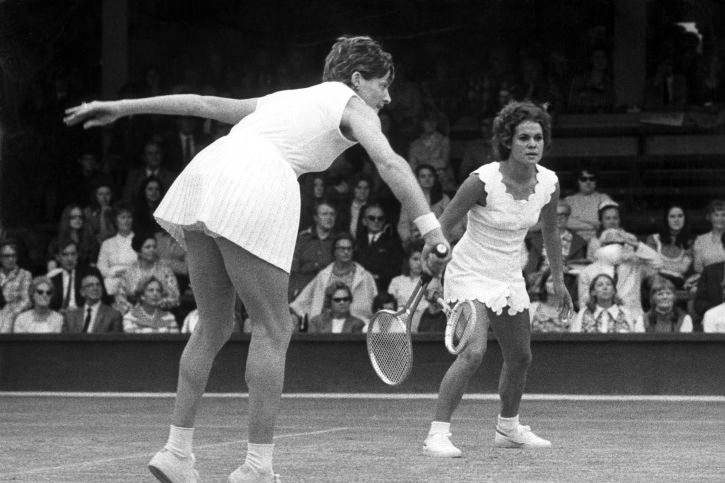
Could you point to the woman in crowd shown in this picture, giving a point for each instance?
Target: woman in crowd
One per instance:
(147, 200)
(585, 203)
(99, 213)
(664, 315)
(15, 282)
(147, 316)
(603, 311)
(708, 247)
(433, 148)
(147, 265)
(502, 200)
(545, 316)
(403, 285)
(312, 194)
(336, 317)
(674, 244)
(117, 255)
(348, 217)
(385, 300)
(40, 318)
(236, 208)
(73, 226)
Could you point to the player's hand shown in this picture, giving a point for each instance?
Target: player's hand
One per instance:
(92, 114)
(433, 263)
(562, 301)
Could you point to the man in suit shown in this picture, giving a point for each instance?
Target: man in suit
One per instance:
(378, 247)
(66, 279)
(709, 290)
(183, 143)
(153, 158)
(93, 316)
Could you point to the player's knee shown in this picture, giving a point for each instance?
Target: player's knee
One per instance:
(473, 356)
(521, 359)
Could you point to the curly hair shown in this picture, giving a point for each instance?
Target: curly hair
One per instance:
(357, 54)
(513, 114)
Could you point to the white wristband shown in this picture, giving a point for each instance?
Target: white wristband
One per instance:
(426, 223)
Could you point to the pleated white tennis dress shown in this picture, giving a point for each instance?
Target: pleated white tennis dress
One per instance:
(243, 187)
(485, 264)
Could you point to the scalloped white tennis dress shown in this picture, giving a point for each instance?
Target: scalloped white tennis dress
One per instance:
(485, 264)
(243, 186)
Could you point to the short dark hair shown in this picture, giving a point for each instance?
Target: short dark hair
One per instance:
(383, 298)
(139, 239)
(513, 114)
(362, 54)
(342, 236)
(411, 247)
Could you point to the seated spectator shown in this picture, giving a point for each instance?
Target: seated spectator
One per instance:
(349, 218)
(338, 194)
(93, 317)
(312, 193)
(478, 152)
(14, 286)
(99, 213)
(378, 247)
(147, 317)
(147, 265)
(67, 278)
(625, 258)
(573, 249)
(310, 301)
(674, 244)
(182, 143)
(402, 286)
(336, 317)
(385, 301)
(604, 312)
(584, 218)
(433, 319)
(72, 226)
(313, 250)
(609, 218)
(40, 318)
(714, 318)
(709, 289)
(145, 203)
(544, 316)
(708, 247)
(116, 254)
(664, 315)
(152, 160)
(592, 91)
(433, 149)
(81, 179)
(437, 199)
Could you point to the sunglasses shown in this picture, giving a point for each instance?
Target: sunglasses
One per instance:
(375, 218)
(584, 179)
(44, 292)
(341, 299)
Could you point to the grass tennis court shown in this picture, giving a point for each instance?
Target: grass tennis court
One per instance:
(110, 439)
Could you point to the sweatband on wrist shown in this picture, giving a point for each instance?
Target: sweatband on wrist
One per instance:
(426, 223)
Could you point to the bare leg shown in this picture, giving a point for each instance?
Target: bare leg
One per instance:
(513, 333)
(263, 289)
(214, 294)
(456, 378)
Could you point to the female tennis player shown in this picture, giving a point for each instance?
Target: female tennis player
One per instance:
(236, 208)
(502, 199)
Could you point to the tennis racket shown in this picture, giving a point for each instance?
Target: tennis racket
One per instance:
(460, 324)
(388, 339)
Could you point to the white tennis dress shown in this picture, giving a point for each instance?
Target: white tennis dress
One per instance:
(243, 187)
(485, 264)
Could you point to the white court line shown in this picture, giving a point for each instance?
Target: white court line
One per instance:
(382, 396)
(146, 455)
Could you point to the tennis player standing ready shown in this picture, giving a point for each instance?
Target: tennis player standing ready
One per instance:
(503, 200)
(236, 209)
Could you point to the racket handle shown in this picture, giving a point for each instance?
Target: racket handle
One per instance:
(440, 251)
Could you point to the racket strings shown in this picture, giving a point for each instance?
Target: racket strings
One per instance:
(462, 321)
(390, 348)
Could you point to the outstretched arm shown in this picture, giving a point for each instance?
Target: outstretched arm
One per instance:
(222, 109)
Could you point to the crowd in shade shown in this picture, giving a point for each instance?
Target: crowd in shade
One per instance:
(108, 266)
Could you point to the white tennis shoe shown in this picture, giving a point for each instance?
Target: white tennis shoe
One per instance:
(439, 445)
(167, 467)
(244, 474)
(521, 437)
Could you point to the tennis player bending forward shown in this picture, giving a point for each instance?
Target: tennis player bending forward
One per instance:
(502, 199)
(236, 208)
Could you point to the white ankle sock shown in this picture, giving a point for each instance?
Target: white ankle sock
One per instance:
(508, 424)
(259, 457)
(439, 427)
(180, 440)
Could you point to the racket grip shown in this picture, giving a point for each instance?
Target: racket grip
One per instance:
(441, 251)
